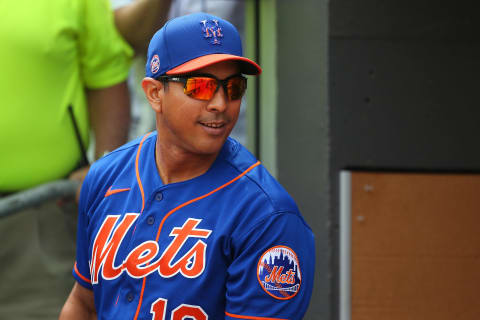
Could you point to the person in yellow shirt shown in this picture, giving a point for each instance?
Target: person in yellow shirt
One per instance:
(62, 62)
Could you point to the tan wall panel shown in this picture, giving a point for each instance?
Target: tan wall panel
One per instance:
(415, 246)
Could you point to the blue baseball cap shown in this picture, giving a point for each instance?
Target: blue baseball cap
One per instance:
(195, 41)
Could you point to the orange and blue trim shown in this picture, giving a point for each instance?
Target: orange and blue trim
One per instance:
(236, 316)
(178, 208)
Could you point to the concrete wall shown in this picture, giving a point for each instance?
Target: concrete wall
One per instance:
(403, 88)
(303, 128)
(368, 85)
(294, 122)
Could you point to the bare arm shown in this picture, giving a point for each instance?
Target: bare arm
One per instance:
(79, 305)
(138, 21)
(109, 110)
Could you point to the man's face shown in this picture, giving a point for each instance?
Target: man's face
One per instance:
(196, 126)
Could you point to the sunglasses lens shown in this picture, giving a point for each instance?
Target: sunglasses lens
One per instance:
(236, 88)
(203, 88)
(200, 88)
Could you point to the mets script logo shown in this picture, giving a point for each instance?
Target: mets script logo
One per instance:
(278, 272)
(155, 64)
(143, 260)
(212, 30)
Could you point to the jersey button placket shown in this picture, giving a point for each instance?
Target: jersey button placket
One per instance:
(150, 220)
(130, 297)
(158, 196)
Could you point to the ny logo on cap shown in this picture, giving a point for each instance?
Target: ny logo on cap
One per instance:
(212, 30)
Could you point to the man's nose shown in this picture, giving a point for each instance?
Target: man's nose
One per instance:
(218, 103)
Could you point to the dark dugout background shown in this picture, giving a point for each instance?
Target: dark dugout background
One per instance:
(370, 85)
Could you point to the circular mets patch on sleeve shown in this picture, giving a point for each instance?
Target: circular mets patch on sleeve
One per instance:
(155, 64)
(278, 272)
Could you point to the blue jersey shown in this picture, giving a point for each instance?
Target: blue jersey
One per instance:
(229, 244)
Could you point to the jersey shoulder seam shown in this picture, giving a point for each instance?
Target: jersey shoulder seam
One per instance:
(270, 215)
(253, 181)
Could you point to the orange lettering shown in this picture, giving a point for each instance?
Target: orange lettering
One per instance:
(138, 262)
(186, 311)
(279, 273)
(141, 255)
(197, 252)
(104, 252)
(291, 277)
(271, 276)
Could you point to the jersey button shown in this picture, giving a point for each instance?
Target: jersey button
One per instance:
(130, 297)
(150, 220)
(159, 196)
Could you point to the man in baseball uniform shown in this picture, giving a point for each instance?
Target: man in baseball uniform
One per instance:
(184, 223)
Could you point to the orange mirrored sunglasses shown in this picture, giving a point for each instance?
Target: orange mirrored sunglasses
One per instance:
(204, 86)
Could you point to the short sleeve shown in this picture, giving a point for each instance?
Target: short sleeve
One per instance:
(105, 57)
(272, 273)
(81, 270)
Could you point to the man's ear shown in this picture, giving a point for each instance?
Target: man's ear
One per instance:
(154, 92)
